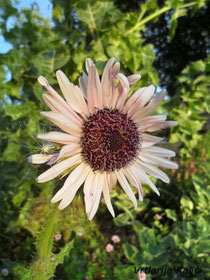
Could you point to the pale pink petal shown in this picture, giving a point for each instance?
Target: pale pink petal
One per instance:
(154, 160)
(57, 169)
(106, 194)
(56, 106)
(94, 95)
(133, 100)
(58, 137)
(53, 159)
(151, 107)
(88, 64)
(98, 185)
(155, 172)
(146, 126)
(127, 189)
(153, 118)
(112, 180)
(72, 94)
(132, 79)
(131, 176)
(107, 82)
(143, 177)
(83, 84)
(75, 179)
(159, 151)
(88, 191)
(149, 140)
(162, 125)
(67, 151)
(39, 158)
(72, 187)
(114, 99)
(138, 100)
(123, 89)
(115, 69)
(57, 97)
(71, 127)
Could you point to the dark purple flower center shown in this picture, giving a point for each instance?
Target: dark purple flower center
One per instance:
(110, 140)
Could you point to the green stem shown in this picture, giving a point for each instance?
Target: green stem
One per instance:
(154, 15)
(40, 267)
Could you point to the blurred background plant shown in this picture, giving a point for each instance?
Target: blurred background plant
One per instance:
(167, 42)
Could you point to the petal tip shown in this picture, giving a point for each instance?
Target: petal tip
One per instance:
(43, 81)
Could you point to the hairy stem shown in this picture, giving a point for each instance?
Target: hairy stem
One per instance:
(41, 267)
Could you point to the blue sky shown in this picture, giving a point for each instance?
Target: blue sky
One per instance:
(45, 7)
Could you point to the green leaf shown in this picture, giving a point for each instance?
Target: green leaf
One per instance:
(130, 251)
(93, 15)
(122, 220)
(59, 258)
(186, 202)
(171, 214)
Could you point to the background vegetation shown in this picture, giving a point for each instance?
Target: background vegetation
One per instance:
(167, 42)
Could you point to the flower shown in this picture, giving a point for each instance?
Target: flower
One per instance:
(79, 233)
(159, 217)
(5, 271)
(58, 236)
(115, 238)
(104, 136)
(142, 276)
(109, 247)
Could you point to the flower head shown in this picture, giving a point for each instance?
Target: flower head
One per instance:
(142, 276)
(109, 248)
(5, 271)
(115, 238)
(58, 236)
(104, 136)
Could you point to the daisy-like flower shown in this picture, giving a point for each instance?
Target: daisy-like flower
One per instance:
(104, 136)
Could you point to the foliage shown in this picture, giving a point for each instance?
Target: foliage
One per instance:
(169, 231)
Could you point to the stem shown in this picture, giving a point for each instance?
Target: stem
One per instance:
(155, 14)
(40, 268)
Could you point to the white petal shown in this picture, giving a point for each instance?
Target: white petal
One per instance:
(73, 179)
(94, 96)
(107, 196)
(56, 106)
(57, 97)
(159, 151)
(127, 189)
(132, 79)
(53, 159)
(107, 83)
(154, 103)
(112, 180)
(138, 100)
(71, 127)
(83, 84)
(57, 169)
(155, 172)
(88, 64)
(115, 69)
(58, 137)
(162, 125)
(131, 176)
(143, 177)
(39, 158)
(72, 94)
(154, 160)
(149, 140)
(98, 185)
(67, 151)
(88, 191)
